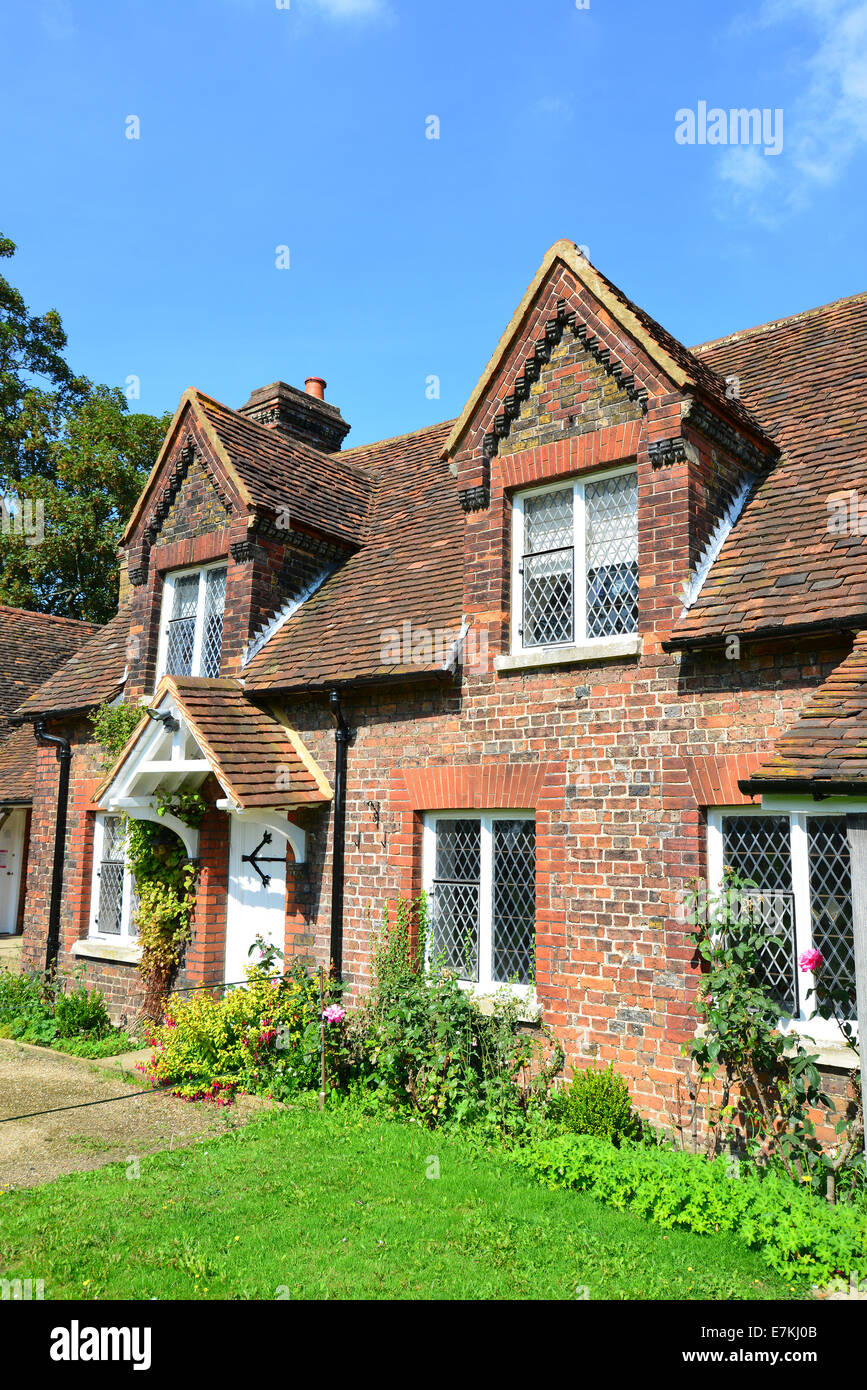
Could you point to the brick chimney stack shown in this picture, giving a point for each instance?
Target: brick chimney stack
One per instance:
(302, 415)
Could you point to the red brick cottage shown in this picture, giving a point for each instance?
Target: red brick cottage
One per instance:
(549, 662)
(32, 646)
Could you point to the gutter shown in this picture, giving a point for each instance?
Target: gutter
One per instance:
(342, 735)
(64, 749)
(405, 676)
(819, 788)
(764, 634)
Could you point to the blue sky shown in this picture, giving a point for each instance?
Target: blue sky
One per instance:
(305, 127)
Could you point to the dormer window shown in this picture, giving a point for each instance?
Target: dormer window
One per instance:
(191, 632)
(575, 562)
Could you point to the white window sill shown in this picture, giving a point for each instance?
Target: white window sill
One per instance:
(122, 953)
(823, 1037)
(605, 649)
(489, 997)
(827, 1043)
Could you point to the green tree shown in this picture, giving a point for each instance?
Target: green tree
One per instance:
(77, 456)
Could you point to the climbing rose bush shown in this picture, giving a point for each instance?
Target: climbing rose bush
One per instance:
(811, 961)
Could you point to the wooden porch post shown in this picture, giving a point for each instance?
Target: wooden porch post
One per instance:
(857, 827)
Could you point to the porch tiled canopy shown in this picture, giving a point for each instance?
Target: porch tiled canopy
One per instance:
(196, 728)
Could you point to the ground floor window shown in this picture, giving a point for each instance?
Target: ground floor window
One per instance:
(112, 901)
(480, 879)
(799, 863)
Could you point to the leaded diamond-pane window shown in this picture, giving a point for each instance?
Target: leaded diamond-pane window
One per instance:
(481, 882)
(611, 557)
(113, 893)
(182, 626)
(757, 849)
(212, 635)
(831, 900)
(193, 607)
(455, 897)
(576, 550)
(548, 568)
(111, 870)
(514, 900)
(799, 864)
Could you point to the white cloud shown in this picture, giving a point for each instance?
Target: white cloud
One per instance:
(826, 123)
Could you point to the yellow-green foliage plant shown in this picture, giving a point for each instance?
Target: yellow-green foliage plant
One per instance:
(264, 1038)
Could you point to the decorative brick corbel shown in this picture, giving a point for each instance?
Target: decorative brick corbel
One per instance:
(139, 563)
(665, 451)
(475, 499)
(243, 552)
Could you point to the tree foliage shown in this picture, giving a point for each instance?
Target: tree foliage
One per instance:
(75, 448)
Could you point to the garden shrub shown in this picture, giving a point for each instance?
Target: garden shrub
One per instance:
(35, 1009)
(598, 1102)
(25, 1008)
(799, 1234)
(80, 1012)
(263, 1038)
(423, 1047)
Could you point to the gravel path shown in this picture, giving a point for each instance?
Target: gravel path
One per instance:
(39, 1149)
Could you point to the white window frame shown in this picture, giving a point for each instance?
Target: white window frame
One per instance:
(126, 936)
(823, 1030)
(168, 600)
(485, 985)
(579, 563)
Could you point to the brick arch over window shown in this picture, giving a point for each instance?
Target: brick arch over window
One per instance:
(480, 787)
(714, 780)
(494, 786)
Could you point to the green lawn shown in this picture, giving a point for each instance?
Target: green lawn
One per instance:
(307, 1205)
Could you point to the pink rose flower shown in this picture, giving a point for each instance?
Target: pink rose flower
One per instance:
(811, 961)
(334, 1014)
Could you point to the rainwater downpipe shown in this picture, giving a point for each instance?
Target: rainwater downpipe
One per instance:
(64, 750)
(342, 734)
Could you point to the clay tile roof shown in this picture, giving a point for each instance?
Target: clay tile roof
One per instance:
(781, 567)
(258, 758)
(93, 674)
(17, 766)
(32, 645)
(327, 492)
(409, 571)
(827, 744)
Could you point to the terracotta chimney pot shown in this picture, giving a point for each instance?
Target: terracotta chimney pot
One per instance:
(315, 386)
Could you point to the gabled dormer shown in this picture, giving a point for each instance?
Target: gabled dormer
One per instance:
(596, 460)
(239, 523)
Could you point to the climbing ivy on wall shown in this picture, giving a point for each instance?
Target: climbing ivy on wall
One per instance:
(165, 878)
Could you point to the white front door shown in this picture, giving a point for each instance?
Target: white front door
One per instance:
(11, 855)
(256, 907)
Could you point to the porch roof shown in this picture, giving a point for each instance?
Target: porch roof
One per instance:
(258, 760)
(825, 750)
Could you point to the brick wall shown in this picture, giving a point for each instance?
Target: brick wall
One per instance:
(611, 752)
